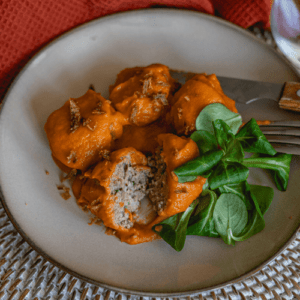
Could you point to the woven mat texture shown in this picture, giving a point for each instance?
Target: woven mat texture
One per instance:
(24, 274)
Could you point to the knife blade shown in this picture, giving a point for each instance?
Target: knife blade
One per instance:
(245, 91)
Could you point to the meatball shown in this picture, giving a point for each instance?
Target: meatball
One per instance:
(192, 97)
(142, 138)
(142, 94)
(81, 128)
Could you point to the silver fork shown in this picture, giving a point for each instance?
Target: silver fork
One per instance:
(283, 135)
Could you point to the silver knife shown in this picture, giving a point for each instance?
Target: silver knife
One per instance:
(284, 130)
(245, 91)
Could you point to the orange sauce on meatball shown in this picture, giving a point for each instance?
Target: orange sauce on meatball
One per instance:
(142, 94)
(193, 96)
(176, 151)
(143, 114)
(81, 128)
(142, 138)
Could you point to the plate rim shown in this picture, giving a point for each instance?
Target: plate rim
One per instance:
(85, 278)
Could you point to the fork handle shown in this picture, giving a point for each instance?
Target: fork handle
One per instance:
(290, 98)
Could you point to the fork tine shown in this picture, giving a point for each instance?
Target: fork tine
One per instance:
(287, 148)
(283, 135)
(290, 128)
(282, 132)
(282, 124)
(293, 140)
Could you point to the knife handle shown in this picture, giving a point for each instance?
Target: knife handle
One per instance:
(290, 98)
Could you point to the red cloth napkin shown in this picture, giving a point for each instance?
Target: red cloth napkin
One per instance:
(27, 25)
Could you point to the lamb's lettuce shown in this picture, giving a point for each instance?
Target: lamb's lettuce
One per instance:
(228, 207)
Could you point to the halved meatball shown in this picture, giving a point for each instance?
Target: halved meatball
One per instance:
(176, 151)
(115, 189)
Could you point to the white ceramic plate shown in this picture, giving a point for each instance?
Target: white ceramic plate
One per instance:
(94, 54)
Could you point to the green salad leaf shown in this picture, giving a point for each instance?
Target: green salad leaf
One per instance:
(235, 152)
(182, 179)
(205, 141)
(240, 189)
(228, 207)
(230, 216)
(214, 112)
(253, 140)
(255, 225)
(223, 134)
(263, 197)
(279, 164)
(200, 165)
(227, 173)
(202, 223)
(173, 229)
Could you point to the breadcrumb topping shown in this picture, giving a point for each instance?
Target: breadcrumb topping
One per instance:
(72, 157)
(66, 195)
(105, 154)
(147, 85)
(112, 132)
(75, 115)
(86, 123)
(97, 110)
(70, 175)
(162, 97)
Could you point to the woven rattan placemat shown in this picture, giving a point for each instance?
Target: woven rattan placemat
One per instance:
(25, 274)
